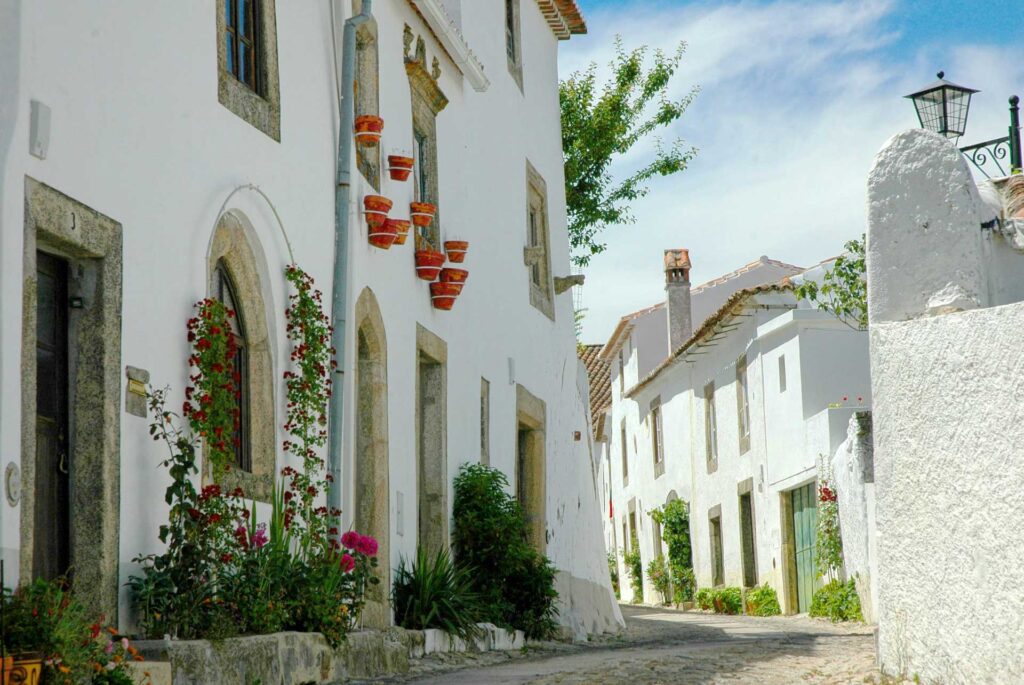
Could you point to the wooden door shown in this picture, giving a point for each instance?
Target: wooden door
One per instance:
(747, 541)
(52, 530)
(805, 527)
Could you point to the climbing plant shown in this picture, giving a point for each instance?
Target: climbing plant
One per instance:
(674, 519)
(843, 291)
(829, 547)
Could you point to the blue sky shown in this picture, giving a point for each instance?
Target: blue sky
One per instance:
(796, 98)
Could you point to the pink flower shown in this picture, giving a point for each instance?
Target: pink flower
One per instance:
(347, 563)
(366, 545)
(260, 538)
(350, 539)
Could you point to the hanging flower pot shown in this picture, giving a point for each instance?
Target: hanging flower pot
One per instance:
(422, 213)
(456, 250)
(442, 295)
(401, 230)
(428, 264)
(368, 130)
(452, 275)
(383, 236)
(376, 209)
(400, 166)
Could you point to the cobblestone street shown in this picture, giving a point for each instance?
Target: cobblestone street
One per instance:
(667, 647)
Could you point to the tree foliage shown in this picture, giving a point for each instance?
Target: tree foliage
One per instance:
(843, 292)
(601, 124)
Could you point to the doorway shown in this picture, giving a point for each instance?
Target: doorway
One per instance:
(804, 527)
(52, 556)
(531, 465)
(747, 540)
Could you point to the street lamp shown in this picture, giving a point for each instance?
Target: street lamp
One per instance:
(942, 107)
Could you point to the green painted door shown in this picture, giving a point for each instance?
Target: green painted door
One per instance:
(805, 526)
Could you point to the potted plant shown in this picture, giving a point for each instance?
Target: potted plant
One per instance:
(368, 129)
(401, 230)
(400, 165)
(428, 264)
(376, 208)
(456, 250)
(383, 236)
(422, 213)
(442, 295)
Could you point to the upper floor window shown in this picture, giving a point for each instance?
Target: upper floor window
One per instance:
(247, 62)
(657, 439)
(782, 373)
(225, 292)
(710, 427)
(742, 404)
(537, 253)
(242, 36)
(513, 50)
(622, 372)
(625, 461)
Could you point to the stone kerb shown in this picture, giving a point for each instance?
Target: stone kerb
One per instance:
(924, 240)
(298, 658)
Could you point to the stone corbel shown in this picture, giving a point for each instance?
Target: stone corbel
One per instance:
(563, 283)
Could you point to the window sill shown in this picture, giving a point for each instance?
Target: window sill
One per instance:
(261, 113)
(659, 468)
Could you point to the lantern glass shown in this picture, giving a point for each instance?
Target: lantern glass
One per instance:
(942, 107)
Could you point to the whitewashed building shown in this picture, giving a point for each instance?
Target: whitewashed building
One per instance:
(151, 150)
(945, 266)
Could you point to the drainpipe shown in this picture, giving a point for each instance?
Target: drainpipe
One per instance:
(339, 282)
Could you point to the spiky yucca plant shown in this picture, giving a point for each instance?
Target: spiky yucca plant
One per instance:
(435, 593)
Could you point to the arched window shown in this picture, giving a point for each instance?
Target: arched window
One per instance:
(225, 292)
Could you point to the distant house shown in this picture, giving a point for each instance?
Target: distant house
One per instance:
(733, 421)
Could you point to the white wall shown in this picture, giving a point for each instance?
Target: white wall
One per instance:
(139, 135)
(947, 423)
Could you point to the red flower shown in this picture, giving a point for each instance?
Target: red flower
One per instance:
(203, 344)
(367, 545)
(350, 539)
(347, 563)
(226, 558)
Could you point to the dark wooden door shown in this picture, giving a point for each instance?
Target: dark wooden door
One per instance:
(747, 540)
(52, 530)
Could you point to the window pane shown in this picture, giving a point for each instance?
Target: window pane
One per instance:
(230, 40)
(244, 19)
(228, 18)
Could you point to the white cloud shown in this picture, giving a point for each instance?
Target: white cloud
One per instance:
(796, 98)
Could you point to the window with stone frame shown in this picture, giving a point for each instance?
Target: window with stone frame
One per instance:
(427, 102)
(622, 372)
(248, 81)
(225, 292)
(782, 373)
(625, 460)
(513, 42)
(742, 404)
(537, 254)
(710, 428)
(485, 421)
(657, 438)
(367, 96)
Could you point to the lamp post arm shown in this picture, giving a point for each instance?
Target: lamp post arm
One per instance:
(1015, 150)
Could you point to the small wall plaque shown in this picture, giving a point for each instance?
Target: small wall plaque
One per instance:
(135, 397)
(12, 484)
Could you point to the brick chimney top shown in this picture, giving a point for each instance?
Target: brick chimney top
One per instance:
(677, 266)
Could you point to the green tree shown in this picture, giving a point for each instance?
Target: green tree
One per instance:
(843, 291)
(601, 124)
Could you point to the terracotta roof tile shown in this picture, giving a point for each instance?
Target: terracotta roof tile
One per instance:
(599, 374)
(563, 16)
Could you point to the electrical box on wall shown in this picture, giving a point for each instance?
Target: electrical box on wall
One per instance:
(39, 130)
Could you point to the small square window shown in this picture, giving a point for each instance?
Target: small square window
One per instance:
(782, 373)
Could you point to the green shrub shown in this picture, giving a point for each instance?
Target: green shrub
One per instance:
(762, 601)
(674, 519)
(837, 601)
(435, 593)
(613, 571)
(728, 600)
(515, 582)
(684, 583)
(705, 598)
(635, 568)
(658, 574)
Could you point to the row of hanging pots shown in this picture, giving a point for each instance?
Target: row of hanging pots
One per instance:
(429, 262)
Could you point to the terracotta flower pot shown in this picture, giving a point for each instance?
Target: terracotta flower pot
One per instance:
(22, 670)
(442, 295)
(383, 236)
(456, 250)
(452, 275)
(376, 209)
(422, 213)
(400, 166)
(368, 130)
(401, 230)
(428, 264)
